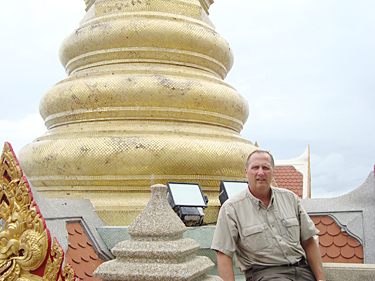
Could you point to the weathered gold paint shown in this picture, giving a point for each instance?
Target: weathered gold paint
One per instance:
(144, 103)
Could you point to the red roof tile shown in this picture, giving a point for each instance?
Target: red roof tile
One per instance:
(323, 250)
(333, 251)
(316, 220)
(333, 229)
(326, 240)
(73, 244)
(326, 258)
(347, 251)
(289, 178)
(81, 254)
(340, 259)
(70, 228)
(354, 243)
(322, 228)
(358, 252)
(78, 228)
(340, 240)
(335, 245)
(326, 220)
(355, 259)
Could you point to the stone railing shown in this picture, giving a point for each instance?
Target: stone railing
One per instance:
(203, 235)
(349, 271)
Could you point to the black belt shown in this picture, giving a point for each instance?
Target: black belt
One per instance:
(300, 262)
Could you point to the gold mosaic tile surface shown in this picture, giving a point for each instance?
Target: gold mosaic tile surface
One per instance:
(144, 103)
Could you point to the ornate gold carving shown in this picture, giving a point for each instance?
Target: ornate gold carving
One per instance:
(68, 272)
(54, 264)
(24, 239)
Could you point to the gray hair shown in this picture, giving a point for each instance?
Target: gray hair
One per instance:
(261, 151)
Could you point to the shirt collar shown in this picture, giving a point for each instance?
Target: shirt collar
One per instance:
(258, 202)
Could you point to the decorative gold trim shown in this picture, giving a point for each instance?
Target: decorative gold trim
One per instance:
(68, 272)
(24, 238)
(53, 265)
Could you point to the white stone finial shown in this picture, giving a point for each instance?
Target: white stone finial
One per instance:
(156, 250)
(157, 220)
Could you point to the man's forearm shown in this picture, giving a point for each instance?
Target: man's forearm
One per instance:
(225, 265)
(314, 258)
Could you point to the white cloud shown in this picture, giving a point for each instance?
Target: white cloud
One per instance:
(21, 132)
(334, 175)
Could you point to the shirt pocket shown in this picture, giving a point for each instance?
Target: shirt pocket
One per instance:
(255, 238)
(291, 229)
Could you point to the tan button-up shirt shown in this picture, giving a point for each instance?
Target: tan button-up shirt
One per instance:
(263, 235)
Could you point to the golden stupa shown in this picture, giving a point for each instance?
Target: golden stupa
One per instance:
(144, 103)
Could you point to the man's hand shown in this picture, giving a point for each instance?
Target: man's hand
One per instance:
(314, 258)
(225, 265)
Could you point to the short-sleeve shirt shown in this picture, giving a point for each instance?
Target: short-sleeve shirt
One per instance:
(261, 235)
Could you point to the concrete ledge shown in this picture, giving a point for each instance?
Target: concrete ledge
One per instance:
(349, 271)
(203, 235)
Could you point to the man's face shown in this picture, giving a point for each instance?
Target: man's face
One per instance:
(259, 172)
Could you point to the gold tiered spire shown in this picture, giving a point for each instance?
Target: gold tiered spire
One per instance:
(144, 103)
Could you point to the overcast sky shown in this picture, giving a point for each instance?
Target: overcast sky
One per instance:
(306, 69)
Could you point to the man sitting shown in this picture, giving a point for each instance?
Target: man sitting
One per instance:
(268, 230)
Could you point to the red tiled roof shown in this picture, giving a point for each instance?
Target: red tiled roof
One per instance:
(335, 245)
(81, 254)
(289, 178)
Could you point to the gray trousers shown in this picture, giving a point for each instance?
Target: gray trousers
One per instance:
(280, 273)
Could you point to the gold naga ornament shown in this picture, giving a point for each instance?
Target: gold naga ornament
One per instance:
(144, 103)
(25, 242)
